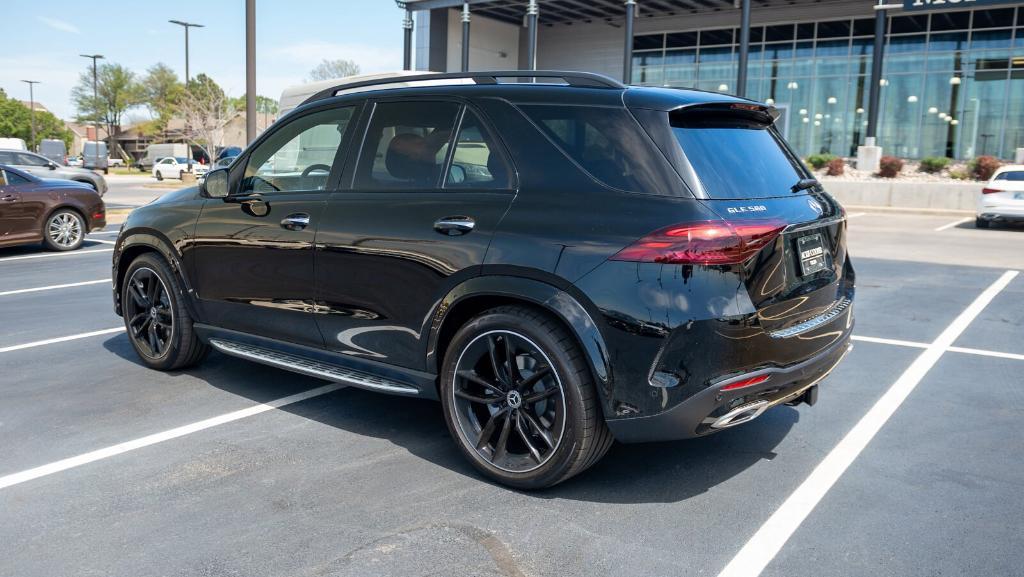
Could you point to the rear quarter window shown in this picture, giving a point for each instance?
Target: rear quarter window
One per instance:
(1011, 176)
(608, 144)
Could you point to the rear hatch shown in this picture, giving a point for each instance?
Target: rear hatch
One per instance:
(1006, 189)
(742, 169)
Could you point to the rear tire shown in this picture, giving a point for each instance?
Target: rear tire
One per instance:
(982, 223)
(531, 423)
(181, 175)
(158, 323)
(64, 230)
(159, 175)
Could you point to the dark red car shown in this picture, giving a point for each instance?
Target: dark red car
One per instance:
(58, 213)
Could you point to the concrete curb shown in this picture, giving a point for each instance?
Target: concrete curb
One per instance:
(941, 196)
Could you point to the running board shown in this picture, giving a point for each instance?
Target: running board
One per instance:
(312, 368)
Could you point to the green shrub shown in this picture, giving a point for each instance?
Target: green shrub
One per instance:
(983, 167)
(934, 164)
(836, 167)
(819, 161)
(959, 174)
(889, 166)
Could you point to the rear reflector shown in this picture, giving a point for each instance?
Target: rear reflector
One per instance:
(709, 243)
(746, 383)
(988, 190)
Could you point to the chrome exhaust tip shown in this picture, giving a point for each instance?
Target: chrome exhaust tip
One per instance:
(740, 415)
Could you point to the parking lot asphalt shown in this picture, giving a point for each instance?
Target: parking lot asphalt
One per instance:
(107, 468)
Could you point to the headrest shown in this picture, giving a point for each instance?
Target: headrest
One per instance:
(408, 158)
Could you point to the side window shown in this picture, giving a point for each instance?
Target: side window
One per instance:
(3, 177)
(477, 162)
(31, 160)
(7, 158)
(299, 155)
(406, 146)
(606, 142)
(13, 179)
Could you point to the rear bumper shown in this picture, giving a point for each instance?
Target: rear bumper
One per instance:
(694, 417)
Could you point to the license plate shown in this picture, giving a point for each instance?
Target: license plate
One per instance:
(1018, 196)
(811, 250)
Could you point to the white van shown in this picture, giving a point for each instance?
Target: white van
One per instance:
(13, 143)
(94, 155)
(55, 150)
(293, 96)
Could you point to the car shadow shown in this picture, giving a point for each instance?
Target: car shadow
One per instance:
(642, 473)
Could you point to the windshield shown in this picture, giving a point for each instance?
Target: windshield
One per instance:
(1012, 176)
(736, 158)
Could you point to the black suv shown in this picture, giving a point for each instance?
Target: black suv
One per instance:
(561, 260)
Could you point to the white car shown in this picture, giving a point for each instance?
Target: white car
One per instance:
(1002, 199)
(176, 167)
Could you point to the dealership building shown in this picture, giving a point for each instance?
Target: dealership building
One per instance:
(951, 81)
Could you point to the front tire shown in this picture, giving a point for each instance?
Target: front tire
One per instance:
(982, 223)
(159, 175)
(158, 323)
(519, 400)
(64, 230)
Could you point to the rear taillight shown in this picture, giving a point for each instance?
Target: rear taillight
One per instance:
(746, 383)
(988, 190)
(710, 242)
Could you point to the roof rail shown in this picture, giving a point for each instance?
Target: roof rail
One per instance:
(578, 79)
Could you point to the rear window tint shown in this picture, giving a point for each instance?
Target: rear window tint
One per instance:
(735, 158)
(606, 142)
(1012, 176)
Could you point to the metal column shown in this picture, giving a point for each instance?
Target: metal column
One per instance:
(741, 74)
(627, 63)
(531, 28)
(407, 47)
(465, 36)
(877, 55)
(250, 71)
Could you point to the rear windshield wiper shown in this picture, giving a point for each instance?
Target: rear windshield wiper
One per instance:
(804, 184)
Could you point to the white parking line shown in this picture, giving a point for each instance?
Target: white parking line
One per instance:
(120, 448)
(896, 342)
(964, 350)
(60, 340)
(984, 353)
(766, 543)
(855, 215)
(105, 232)
(100, 240)
(954, 223)
(56, 254)
(53, 287)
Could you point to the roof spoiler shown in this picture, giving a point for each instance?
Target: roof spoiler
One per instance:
(757, 112)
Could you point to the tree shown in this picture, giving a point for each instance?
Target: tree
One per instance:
(161, 91)
(329, 69)
(206, 110)
(16, 122)
(117, 91)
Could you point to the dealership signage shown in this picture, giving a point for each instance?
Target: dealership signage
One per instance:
(941, 4)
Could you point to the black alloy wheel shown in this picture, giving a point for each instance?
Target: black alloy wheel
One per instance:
(509, 402)
(519, 400)
(148, 313)
(158, 323)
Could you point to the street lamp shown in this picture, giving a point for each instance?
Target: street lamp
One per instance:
(32, 106)
(96, 108)
(186, 26)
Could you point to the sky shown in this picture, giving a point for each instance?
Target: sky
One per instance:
(42, 40)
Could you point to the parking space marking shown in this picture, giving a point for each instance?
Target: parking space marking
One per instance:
(56, 254)
(769, 539)
(954, 223)
(53, 287)
(105, 232)
(964, 350)
(121, 448)
(60, 340)
(100, 240)
(855, 215)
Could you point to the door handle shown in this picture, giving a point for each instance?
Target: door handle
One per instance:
(454, 225)
(297, 221)
(9, 198)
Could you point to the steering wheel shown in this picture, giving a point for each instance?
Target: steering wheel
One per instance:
(312, 167)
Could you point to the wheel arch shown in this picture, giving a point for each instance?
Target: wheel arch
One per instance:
(486, 292)
(135, 244)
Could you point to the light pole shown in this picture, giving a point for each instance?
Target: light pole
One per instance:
(250, 71)
(186, 26)
(96, 111)
(32, 106)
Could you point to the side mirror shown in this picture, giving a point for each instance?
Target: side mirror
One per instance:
(52, 165)
(456, 174)
(215, 185)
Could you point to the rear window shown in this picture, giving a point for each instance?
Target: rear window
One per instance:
(607, 143)
(735, 157)
(1012, 176)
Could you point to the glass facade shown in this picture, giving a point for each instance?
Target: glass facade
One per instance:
(953, 82)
